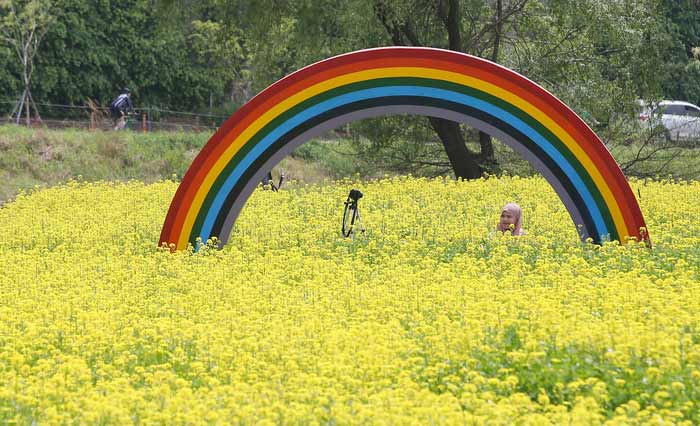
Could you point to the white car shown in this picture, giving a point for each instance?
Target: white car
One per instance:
(681, 120)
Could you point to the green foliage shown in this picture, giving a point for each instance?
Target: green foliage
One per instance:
(23, 25)
(685, 15)
(682, 71)
(8, 83)
(597, 56)
(95, 48)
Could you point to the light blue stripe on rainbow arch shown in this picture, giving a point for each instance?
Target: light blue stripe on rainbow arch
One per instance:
(389, 91)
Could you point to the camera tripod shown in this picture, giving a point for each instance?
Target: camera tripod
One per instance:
(351, 215)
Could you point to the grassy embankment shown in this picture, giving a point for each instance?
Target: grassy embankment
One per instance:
(43, 157)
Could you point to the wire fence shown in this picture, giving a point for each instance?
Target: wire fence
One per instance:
(94, 116)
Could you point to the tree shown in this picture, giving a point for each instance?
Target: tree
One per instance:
(23, 24)
(682, 70)
(596, 55)
(218, 51)
(95, 48)
(480, 34)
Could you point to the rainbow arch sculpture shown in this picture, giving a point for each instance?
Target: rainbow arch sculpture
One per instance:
(400, 80)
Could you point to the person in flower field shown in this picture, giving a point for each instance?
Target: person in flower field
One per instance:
(511, 220)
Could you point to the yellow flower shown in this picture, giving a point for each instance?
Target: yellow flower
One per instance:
(426, 319)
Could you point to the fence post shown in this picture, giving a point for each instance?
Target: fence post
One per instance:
(144, 129)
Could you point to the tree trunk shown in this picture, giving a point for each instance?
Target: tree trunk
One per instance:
(37, 117)
(20, 105)
(26, 105)
(461, 159)
(25, 75)
(464, 162)
(487, 155)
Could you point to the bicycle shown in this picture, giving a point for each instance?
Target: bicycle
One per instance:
(121, 123)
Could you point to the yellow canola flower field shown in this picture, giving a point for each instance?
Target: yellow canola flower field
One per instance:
(429, 318)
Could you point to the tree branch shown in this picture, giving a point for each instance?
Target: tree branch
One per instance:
(497, 30)
(410, 33)
(448, 12)
(380, 9)
(474, 41)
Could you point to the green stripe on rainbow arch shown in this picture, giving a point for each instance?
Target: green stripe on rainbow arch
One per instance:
(396, 80)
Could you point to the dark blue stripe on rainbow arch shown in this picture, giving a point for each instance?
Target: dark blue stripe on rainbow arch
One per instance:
(388, 91)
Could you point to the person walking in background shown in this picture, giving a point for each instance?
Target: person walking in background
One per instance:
(119, 108)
